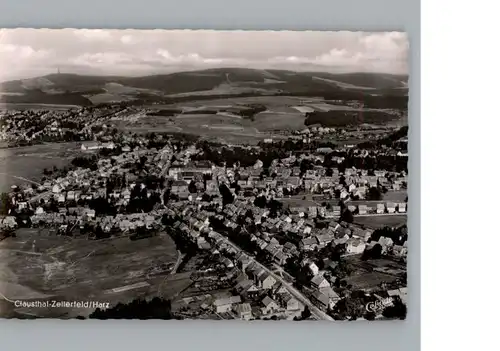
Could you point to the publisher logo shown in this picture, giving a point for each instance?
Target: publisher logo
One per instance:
(379, 305)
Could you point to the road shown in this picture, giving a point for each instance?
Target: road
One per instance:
(180, 257)
(165, 169)
(21, 178)
(296, 293)
(39, 196)
(6, 298)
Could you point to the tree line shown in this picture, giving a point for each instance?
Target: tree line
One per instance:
(156, 308)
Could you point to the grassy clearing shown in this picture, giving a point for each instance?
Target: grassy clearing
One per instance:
(76, 268)
(266, 121)
(399, 195)
(109, 98)
(369, 280)
(13, 161)
(380, 221)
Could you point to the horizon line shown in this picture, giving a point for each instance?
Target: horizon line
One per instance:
(60, 72)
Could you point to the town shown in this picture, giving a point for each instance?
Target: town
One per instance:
(297, 227)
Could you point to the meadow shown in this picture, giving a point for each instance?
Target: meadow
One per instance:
(36, 265)
(24, 164)
(380, 221)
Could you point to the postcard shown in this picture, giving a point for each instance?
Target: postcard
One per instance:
(199, 174)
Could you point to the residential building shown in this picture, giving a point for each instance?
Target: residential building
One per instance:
(244, 311)
(362, 209)
(319, 282)
(391, 207)
(269, 305)
(399, 251)
(336, 211)
(308, 244)
(402, 207)
(226, 304)
(265, 280)
(291, 303)
(179, 186)
(355, 246)
(313, 268)
(320, 300)
(402, 293)
(333, 297)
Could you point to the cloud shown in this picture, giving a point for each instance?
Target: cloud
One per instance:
(127, 39)
(136, 52)
(21, 58)
(11, 52)
(100, 59)
(93, 34)
(190, 58)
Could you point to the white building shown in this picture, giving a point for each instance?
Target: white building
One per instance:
(314, 268)
(355, 246)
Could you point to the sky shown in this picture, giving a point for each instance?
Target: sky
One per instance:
(28, 53)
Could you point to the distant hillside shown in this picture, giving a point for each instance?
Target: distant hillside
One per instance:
(39, 97)
(60, 88)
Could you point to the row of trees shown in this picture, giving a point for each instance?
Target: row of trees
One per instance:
(89, 162)
(237, 155)
(157, 308)
(5, 204)
(398, 235)
(386, 141)
(341, 118)
(182, 241)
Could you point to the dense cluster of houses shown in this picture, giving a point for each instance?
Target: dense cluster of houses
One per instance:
(33, 126)
(292, 231)
(255, 280)
(258, 295)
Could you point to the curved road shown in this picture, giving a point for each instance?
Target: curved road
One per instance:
(180, 257)
(21, 178)
(39, 196)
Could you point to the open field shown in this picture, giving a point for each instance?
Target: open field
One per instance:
(369, 265)
(342, 84)
(213, 127)
(266, 121)
(115, 92)
(228, 89)
(380, 221)
(229, 118)
(109, 98)
(35, 265)
(369, 280)
(365, 277)
(399, 195)
(13, 161)
(268, 101)
(173, 285)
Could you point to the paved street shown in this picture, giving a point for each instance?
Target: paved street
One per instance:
(296, 293)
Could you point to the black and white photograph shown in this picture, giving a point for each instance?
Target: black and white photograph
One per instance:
(203, 174)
